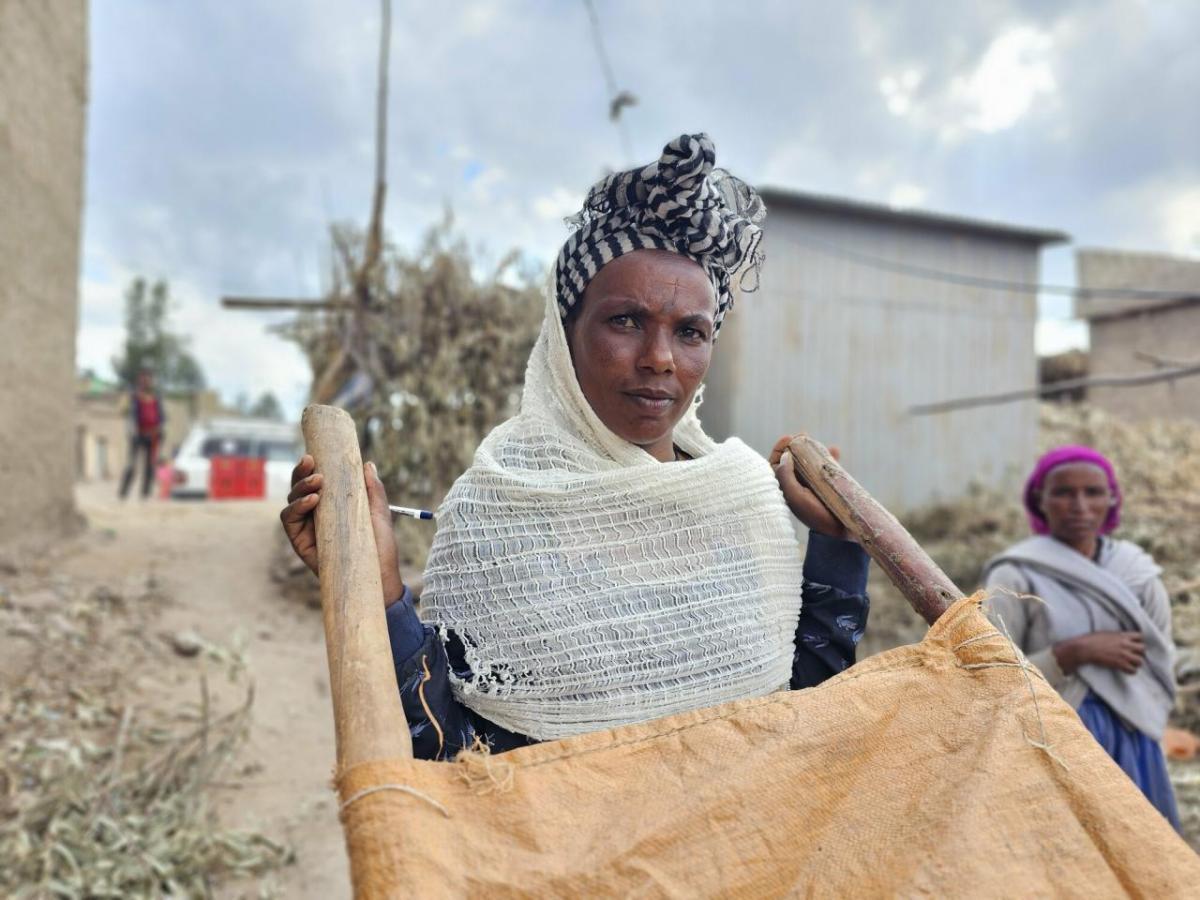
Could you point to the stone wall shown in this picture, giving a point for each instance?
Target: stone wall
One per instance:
(43, 95)
(1124, 345)
(1132, 335)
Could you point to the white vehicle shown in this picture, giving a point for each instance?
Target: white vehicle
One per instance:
(277, 443)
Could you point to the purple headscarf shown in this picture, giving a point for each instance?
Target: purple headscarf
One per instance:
(1059, 456)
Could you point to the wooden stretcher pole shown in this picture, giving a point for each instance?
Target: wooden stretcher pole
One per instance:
(368, 719)
(924, 585)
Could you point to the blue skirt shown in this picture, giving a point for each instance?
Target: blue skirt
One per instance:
(1138, 755)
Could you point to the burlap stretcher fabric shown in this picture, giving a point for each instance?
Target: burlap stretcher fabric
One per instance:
(918, 771)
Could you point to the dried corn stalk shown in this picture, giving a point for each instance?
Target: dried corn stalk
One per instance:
(443, 348)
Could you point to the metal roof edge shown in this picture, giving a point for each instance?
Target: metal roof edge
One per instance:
(908, 215)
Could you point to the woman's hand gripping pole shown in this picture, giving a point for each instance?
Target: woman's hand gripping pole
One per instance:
(926, 587)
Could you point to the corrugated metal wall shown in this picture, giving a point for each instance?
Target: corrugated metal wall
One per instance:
(841, 350)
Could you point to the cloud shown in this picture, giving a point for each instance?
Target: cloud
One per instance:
(1058, 335)
(1015, 72)
(906, 194)
(556, 205)
(1161, 212)
(236, 350)
(1179, 219)
(477, 19)
(1012, 75)
(96, 345)
(220, 166)
(900, 90)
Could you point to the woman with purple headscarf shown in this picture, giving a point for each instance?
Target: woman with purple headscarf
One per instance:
(1091, 612)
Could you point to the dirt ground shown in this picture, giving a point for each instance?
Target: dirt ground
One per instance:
(212, 560)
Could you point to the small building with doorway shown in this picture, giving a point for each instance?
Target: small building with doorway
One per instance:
(1133, 334)
(865, 311)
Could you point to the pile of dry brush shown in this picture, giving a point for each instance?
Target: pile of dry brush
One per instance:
(443, 345)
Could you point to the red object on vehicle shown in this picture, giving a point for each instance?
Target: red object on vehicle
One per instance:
(237, 478)
(254, 474)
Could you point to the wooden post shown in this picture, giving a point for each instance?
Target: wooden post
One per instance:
(368, 718)
(924, 585)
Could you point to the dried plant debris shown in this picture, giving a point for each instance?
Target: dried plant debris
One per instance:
(122, 815)
(100, 797)
(1185, 776)
(438, 351)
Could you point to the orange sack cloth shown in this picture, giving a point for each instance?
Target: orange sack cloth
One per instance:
(948, 768)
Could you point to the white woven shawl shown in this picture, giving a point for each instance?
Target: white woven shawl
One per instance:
(592, 585)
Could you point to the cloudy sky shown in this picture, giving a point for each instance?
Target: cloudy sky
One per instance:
(224, 137)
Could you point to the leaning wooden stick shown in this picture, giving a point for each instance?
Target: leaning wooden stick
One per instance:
(924, 585)
(368, 719)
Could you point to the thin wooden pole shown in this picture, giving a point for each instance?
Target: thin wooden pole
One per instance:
(368, 718)
(1058, 387)
(926, 587)
(374, 245)
(282, 303)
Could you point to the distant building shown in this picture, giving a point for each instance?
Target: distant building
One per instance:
(865, 311)
(43, 92)
(1131, 335)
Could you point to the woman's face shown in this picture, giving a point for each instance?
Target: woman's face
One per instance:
(1075, 501)
(641, 342)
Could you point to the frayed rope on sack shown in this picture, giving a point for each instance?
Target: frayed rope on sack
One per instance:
(402, 788)
(1019, 662)
(481, 772)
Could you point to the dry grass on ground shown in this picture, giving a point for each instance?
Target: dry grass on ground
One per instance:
(102, 794)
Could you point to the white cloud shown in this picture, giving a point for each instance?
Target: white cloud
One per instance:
(95, 347)
(907, 194)
(900, 90)
(224, 178)
(1179, 220)
(1161, 212)
(1014, 73)
(477, 19)
(234, 348)
(1058, 335)
(982, 94)
(484, 185)
(237, 352)
(556, 205)
(806, 164)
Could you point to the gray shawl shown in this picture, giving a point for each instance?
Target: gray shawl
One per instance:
(1082, 597)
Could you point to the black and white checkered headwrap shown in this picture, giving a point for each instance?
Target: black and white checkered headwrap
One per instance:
(680, 203)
